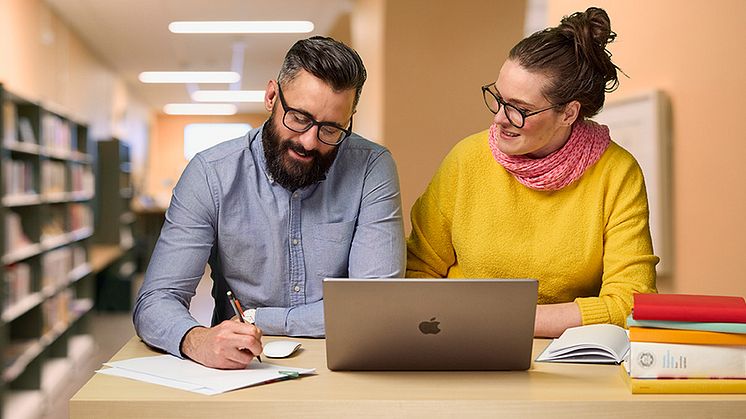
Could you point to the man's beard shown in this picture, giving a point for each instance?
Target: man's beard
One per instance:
(292, 174)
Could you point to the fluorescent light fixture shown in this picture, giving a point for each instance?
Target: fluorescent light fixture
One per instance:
(189, 77)
(200, 109)
(198, 137)
(246, 26)
(255, 96)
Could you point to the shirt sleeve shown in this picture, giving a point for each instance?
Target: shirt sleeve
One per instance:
(628, 260)
(377, 250)
(305, 320)
(161, 314)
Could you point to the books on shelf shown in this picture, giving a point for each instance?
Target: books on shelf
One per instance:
(53, 177)
(10, 128)
(55, 266)
(596, 343)
(17, 283)
(56, 134)
(81, 178)
(79, 216)
(19, 177)
(683, 343)
(26, 131)
(15, 237)
(56, 310)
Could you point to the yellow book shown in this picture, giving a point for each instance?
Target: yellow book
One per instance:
(700, 337)
(683, 385)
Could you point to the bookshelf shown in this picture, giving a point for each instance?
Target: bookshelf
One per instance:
(46, 190)
(114, 226)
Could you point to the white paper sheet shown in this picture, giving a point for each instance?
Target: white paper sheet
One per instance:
(168, 370)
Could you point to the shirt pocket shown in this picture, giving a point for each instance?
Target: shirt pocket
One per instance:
(331, 248)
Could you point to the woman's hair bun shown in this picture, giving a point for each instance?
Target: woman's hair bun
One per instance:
(574, 54)
(592, 26)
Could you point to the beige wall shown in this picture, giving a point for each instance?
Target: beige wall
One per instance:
(42, 60)
(428, 60)
(166, 158)
(694, 53)
(367, 21)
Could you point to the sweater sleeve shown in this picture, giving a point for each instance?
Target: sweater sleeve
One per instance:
(628, 261)
(430, 252)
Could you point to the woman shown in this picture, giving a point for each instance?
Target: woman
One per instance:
(544, 193)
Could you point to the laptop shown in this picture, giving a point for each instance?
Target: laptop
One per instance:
(429, 324)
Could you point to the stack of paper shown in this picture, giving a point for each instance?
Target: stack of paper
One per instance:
(184, 374)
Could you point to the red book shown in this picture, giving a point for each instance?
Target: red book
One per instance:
(689, 308)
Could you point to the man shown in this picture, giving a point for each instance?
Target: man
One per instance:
(274, 212)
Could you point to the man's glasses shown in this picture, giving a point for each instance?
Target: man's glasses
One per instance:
(298, 121)
(516, 117)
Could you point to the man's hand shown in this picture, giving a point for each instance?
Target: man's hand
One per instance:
(229, 345)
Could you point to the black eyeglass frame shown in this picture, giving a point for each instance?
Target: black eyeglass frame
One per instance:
(504, 105)
(347, 132)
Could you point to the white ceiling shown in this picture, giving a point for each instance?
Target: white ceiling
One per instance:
(132, 36)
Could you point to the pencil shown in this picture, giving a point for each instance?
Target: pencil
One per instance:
(239, 312)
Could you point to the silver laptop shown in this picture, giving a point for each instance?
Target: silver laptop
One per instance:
(429, 324)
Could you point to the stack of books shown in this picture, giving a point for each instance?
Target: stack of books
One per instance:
(682, 343)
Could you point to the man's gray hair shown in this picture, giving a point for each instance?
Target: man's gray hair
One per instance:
(331, 61)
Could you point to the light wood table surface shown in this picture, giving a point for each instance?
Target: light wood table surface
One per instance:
(546, 390)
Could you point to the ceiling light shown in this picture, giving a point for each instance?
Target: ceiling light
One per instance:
(246, 26)
(189, 77)
(255, 96)
(200, 109)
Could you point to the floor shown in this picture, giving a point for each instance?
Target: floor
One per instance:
(111, 331)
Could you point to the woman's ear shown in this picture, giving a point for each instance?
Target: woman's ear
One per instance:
(570, 113)
(270, 95)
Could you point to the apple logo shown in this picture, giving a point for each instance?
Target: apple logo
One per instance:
(430, 327)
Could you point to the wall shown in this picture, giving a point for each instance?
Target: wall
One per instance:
(367, 21)
(42, 60)
(166, 158)
(435, 58)
(694, 54)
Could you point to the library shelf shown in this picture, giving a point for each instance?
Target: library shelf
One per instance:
(32, 349)
(22, 200)
(47, 190)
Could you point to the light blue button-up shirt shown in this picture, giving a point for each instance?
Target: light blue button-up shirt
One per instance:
(272, 247)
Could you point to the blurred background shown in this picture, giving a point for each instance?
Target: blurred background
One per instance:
(80, 61)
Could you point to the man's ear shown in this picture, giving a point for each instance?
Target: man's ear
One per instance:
(570, 113)
(270, 95)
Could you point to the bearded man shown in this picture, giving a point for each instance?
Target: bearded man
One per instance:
(273, 213)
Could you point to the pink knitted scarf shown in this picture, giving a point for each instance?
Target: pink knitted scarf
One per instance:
(588, 141)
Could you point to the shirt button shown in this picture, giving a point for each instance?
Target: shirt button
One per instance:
(296, 194)
(296, 241)
(297, 288)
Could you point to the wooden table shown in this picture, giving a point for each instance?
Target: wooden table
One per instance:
(545, 391)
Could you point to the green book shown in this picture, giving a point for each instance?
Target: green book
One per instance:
(710, 327)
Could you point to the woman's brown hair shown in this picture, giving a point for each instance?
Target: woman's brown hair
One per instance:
(575, 58)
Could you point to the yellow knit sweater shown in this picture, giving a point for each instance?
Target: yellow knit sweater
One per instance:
(588, 242)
